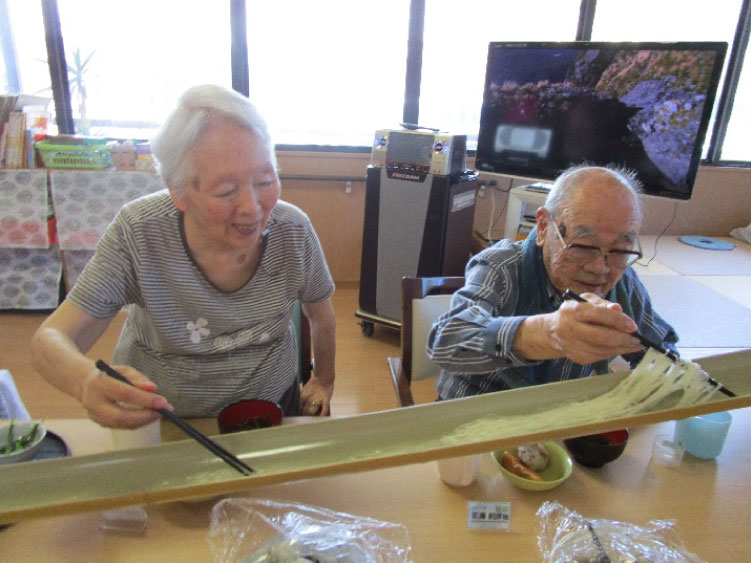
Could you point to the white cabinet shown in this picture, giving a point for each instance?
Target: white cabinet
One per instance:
(522, 205)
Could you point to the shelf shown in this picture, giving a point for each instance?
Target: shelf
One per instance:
(520, 203)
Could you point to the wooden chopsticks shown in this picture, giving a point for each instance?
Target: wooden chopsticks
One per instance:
(205, 441)
(568, 294)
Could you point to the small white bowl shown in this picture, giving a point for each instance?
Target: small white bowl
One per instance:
(21, 428)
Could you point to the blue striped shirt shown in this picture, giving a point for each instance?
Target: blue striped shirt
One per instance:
(473, 341)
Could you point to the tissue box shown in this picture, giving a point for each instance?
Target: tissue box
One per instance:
(123, 156)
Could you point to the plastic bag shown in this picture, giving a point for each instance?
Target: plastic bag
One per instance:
(567, 536)
(742, 233)
(245, 530)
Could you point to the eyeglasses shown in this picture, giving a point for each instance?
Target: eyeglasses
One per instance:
(584, 254)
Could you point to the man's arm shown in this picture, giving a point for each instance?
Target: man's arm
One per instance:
(582, 332)
(476, 334)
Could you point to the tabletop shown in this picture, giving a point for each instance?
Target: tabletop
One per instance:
(709, 500)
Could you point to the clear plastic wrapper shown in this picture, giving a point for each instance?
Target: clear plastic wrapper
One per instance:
(130, 520)
(266, 531)
(566, 536)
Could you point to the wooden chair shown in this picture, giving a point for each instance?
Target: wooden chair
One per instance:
(423, 300)
(304, 354)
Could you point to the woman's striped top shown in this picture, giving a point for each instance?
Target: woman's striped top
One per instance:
(203, 347)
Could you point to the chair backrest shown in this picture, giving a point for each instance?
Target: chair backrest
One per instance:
(423, 301)
(304, 354)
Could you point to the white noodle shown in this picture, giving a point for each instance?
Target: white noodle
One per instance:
(654, 380)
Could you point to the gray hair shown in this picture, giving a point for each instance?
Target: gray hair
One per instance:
(196, 109)
(570, 179)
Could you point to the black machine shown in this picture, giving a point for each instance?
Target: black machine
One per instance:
(417, 222)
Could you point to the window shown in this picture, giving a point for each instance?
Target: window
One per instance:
(129, 62)
(735, 146)
(329, 72)
(456, 51)
(24, 62)
(616, 21)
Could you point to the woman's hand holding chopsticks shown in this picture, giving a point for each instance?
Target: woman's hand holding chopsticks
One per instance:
(228, 457)
(115, 404)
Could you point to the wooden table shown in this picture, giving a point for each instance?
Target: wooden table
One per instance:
(709, 499)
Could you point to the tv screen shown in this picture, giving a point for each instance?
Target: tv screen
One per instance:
(645, 106)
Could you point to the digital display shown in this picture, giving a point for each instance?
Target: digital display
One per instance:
(645, 106)
(410, 148)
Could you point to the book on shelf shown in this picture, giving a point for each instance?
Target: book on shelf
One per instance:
(2, 144)
(23, 120)
(7, 104)
(15, 140)
(29, 159)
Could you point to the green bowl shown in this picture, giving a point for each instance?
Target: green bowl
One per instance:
(554, 474)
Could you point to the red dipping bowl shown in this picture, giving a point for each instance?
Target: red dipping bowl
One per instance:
(249, 415)
(595, 450)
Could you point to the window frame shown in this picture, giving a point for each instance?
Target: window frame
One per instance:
(240, 72)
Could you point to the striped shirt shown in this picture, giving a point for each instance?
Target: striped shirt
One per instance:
(203, 347)
(473, 340)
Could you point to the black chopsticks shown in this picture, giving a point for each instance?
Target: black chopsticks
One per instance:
(568, 294)
(205, 441)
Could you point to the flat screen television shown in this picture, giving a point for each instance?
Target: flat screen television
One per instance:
(645, 106)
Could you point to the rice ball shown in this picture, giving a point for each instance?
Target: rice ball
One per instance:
(534, 456)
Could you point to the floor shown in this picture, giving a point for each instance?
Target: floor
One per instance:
(705, 294)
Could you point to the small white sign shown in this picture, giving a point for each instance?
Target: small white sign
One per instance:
(489, 515)
(462, 201)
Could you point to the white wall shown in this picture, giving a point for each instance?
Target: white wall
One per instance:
(721, 201)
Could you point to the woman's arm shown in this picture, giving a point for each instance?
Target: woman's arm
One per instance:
(58, 353)
(316, 395)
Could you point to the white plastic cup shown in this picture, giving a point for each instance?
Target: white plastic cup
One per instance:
(131, 519)
(703, 436)
(667, 452)
(149, 435)
(459, 471)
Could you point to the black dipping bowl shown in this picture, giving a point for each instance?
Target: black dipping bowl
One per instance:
(595, 450)
(249, 415)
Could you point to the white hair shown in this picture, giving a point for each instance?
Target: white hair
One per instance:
(196, 109)
(571, 179)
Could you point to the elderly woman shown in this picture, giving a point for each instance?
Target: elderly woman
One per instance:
(210, 270)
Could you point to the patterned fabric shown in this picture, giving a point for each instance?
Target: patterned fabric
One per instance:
(203, 347)
(86, 201)
(472, 342)
(24, 208)
(30, 278)
(30, 263)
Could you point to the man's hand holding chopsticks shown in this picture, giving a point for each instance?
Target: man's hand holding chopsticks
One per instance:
(584, 332)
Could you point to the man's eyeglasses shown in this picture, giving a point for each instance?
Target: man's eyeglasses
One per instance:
(583, 253)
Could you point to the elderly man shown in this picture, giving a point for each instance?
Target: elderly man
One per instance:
(510, 327)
